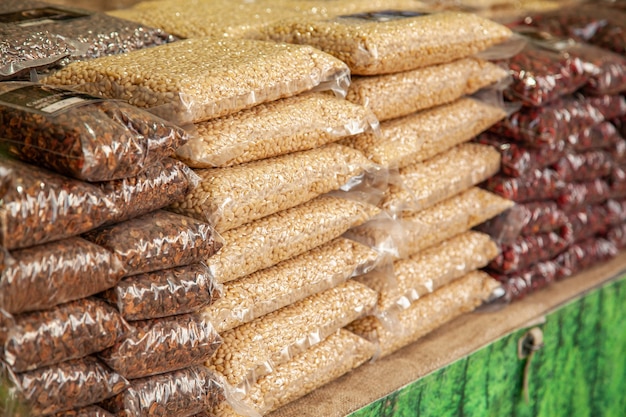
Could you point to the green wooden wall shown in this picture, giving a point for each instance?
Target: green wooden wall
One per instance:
(580, 372)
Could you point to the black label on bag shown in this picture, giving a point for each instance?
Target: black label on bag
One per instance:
(45, 100)
(384, 16)
(39, 16)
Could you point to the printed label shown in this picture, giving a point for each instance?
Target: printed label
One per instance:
(39, 16)
(45, 100)
(385, 15)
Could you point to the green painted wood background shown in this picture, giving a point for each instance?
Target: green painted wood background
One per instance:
(580, 372)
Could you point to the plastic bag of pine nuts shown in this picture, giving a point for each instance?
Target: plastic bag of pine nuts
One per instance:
(200, 79)
(254, 349)
(164, 293)
(270, 289)
(392, 41)
(334, 356)
(163, 345)
(43, 276)
(395, 95)
(427, 313)
(411, 139)
(156, 241)
(286, 234)
(431, 269)
(281, 127)
(425, 184)
(271, 185)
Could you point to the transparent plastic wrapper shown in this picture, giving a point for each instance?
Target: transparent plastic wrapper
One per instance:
(584, 166)
(269, 186)
(519, 284)
(265, 291)
(617, 181)
(90, 411)
(589, 221)
(616, 211)
(293, 124)
(82, 136)
(617, 236)
(449, 218)
(611, 106)
(425, 184)
(67, 385)
(181, 393)
(428, 313)
(281, 236)
(619, 152)
(600, 136)
(69, 331)
(583, 255)
(41, 277)
(525, 219)
(517, 159)
(418, 137)
(576, 195)
(163, 345)
(40, 206)
(549, 124)
(199, 79)
(528, 250)
(156, 241)
(169, 292)
(431, 269)
(395, 95)
(333, 357)
(254, 349)
(540, 184)
(608, 70)
(392, 41)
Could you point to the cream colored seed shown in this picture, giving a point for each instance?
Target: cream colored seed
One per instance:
(421, 136)
(371, 48)
(199, 79)
(431, 269)
(428, 313)
(426, 184)
(395, 95)
(266, 291)
(237, 195)
(334, 356)
(285, 126)
(252, 350)
(449, 218)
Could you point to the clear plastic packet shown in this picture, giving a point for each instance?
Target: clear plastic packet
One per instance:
(599, 136)
(549, 124)
(616, 210)
(156, 241)
(608, 70)
(428, 313)
(618, 152)
(395, 95)
(528, 250)
(90, 411)
(82, 136)
(525, 219)
(425, 184)
(234, 196)
(517, 159)
(576, 195)
(40, 206)
(589, 221)
(270, 289)
(281, 236)
(455, 215)
(293, 124)
(160, 185)
(391, 41)
(539, 184)
(199, 79)
(431, 269)
(519, 284)
(583, 255)
(169, 292)
(333, 357)
(418, 137)
(611, 106)
(617, 236)
(67, 385)
(583, 166)
(69, 331)
(182, 393)
(617, 181)
(254, 349)
(163, 345)
(41, 277)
